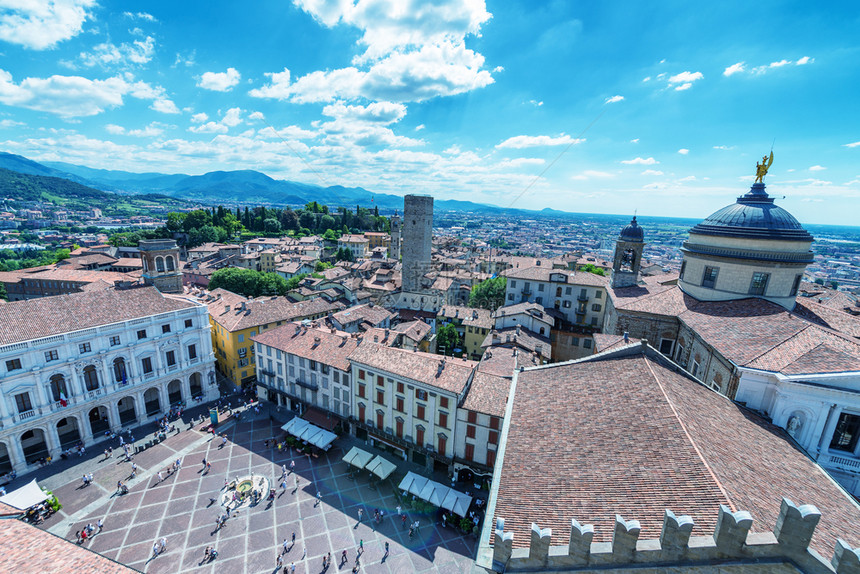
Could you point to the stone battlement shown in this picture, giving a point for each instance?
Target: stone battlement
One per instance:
(731, 544)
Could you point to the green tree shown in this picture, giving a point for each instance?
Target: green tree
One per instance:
(489, 294)
(344, 254)
(271, 225)
(322, 266)
(327, 222)
(293, 282)
(591, 268)
(447, 339)
(331, 235)
(289, 219)
(308, 219)
(175, 222)
(197, 219)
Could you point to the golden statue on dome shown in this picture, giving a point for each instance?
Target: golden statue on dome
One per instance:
(761, 168)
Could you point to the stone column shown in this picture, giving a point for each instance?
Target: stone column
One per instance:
(113, 417)
(827, 436)
(16, 454)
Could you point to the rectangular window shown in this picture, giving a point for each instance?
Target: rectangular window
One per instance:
(361, 391)
(709, 277)
(115, 340)
(796, 285)
(170, 356)
(510, 296)
(165, 328)
(596, 308)
(491, 458)
(23, 403)
(586, 343)
(540, 286)
(85, 348)
(493, 438)
(598, 294)
(443, 402)
(51, 355)
(443, 420)
(419, 412)
(494, 423)
(380, 397)
(399, 404)
(421, 394)
(583, 293)
(472, 417)
(192, 352)
(241, 338)
(380, 420)
(683, 268)
(666, 347)
(147, 365)
(398, 428)
(470, 452)
(399, 387)
(141, 334)
(568, 290)
(189, 323)
(419, 436)
(443, 445)
(380, 380)
(513, 284)
(13, 364)
(470, 431)
(847, 433)
(361, 374)
(758, 285)
(574, 341)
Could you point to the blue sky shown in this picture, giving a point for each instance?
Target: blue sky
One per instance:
(598, 107)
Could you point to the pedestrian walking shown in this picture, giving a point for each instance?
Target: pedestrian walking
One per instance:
(386, 549)
(279, 561)
(100, 524)
(304, 552)
(208, 467)
(318, 498)
(328, 560)
(360, 513)
(361, 545)
(284, 470)
(343, 558)
(155, 549)
(294, 539)
(204, 463)
(163, 544)
(293, 568)
(292, 466)
(285, 547)
(399, 512)
(403, 520)
(133, 470)
(284, 484)
(160, 476)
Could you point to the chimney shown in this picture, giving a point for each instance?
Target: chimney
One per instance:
(342, 341)
(496, 338)
(243, 306)
(538, 349)
(626, 337)
(316, 341)
(376, 338)
(226, 308)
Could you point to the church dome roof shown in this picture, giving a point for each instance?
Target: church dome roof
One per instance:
(632, 232)
(753, 216)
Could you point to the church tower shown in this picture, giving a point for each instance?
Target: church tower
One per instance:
(161, 264)
(628, 256)
(394, 247)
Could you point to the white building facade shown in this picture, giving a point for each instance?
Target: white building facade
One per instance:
(138, 354)
(821, 412)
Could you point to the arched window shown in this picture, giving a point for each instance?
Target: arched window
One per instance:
(159, 263)
(58, 387)
(170, 265)
(119, 372)
(558, 291)
(91, 378)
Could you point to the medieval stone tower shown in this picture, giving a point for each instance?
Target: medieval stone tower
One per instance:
(628, 255)
(417, 236)
(394, 248)
(161, 264)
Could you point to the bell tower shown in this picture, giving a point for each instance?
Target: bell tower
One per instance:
(628, 256)
(161, 264)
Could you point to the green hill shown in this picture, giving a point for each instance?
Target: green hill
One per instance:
(25, 190)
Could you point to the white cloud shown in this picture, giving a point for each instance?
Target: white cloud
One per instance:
(683, 151)
(646, 79)
(419, 127)
(724, 147)
(219, 81)
(140, 16)
(40, 25)
(804, 60)
(411, 54)
(164, 106)
(817, 168)
(535, 103)
(256, 116)
(115, 129)
(7, 123)
(199, 118)
(614, 99)
(592, 174)
(520, 161)
(684, 80)
(854, 144)
(734, 69)
(640, 161)
(106, 54)
(520, 142)
(652, 172)
(152, 130)
(779, 64)
(688, 178)
(381, 112)
(209, 128)
(364, 126)
(232, 118)
(76, 96)
(634, 140)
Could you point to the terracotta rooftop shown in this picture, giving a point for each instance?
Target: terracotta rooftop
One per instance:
(502, 361)
(374, 315)
(30, 549)
(320, 345)
(415, 330)
(45, 316)
(426, 368)
(517, 336)
(488, 394)
(605, 342)
(632, 435)
(543, 273)
(263, 310)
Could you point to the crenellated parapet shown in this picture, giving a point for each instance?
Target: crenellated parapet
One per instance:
(731, 543)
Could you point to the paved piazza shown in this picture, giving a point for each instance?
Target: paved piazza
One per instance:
(179, 510)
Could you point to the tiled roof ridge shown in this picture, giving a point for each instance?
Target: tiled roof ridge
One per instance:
(687, 433)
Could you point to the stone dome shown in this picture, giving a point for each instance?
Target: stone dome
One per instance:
(753, 216)
(632, 232)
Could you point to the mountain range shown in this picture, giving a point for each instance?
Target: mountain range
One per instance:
(230, 187)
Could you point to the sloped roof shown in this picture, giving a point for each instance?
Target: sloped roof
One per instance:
(320, 345)
(633, 435)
